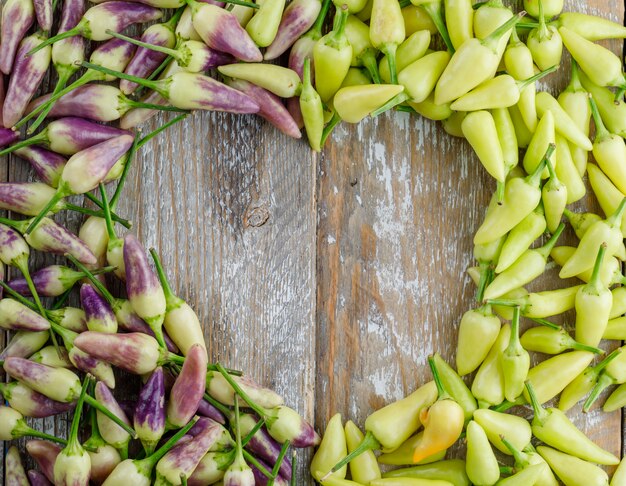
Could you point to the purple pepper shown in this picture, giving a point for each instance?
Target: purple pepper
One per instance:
(47, 164)
(27, 198)
(100, 316)
(129, 321)
(149, 415)
(221, 31)
(101, 370)
(218, 387)
(70, 135)
(17, 17)
(43, 12)
(26, 76)
(143, 288)
(38, 479)
(50, 281)
(188, 389)
(110, 431)
(271, 107)
(8, 136)
(15, 316)
(298, 18)
(134, 352)
(31, 403)
(145, 60)
(25, 343)
(284, 423)
(14, 474)
(261, 479)
(207, 410)
(262, 445)
(183, 459)
(45, 454)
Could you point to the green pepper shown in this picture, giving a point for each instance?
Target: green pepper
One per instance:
(451, 470)
(554, 198)
(413, 48)
(353, 103)
(403, 455)
(332, 56)
(521, 196)
(312, 109)
(420, 77)
(563, 123)
(363, 468)
(591, 27)
(354, 6)
(584, 383)
(529, 458)
(609, 151)
(429, 109)
(606, 231)
(610, 271)
(553, 428)
(488, 384)
(363, 53)
(519, 63)
(331, 449)
(452, 125)
(416, 18)
(549, 377)
(473, 63)
(497, 425)
(521, 237)
(263, 25)
(488, 17)
(481, 464)
(542, 339)
(619, 476)
(525, 269)
(434, 8)
(567, 170)
(616, 400)
(281, 81)
(609, 197)
(515, 362)
(545, 43)
(387, 31)
(551, 8)
(601, 65)
(542, 139)
(616, 328)
(614, 374)
(507, 139)
(619, 302)
(355, 77)
(479, 128)
(612, 111)
(522, 133)
(456, 387)
(459, 20)
(542, 304)
(478, 331)
(572, 470)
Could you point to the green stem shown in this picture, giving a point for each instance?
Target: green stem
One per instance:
(62, 299)
(506, 405)
(485, 272)
(500, 192)
(441, 391)
(434, 11)
(252, 460)
(39, 138)
(78, 30)
(615, 220)
(78, 412)
(601, 130)
(597, 266)
(107, 213)
(23, 429)
(319, 22)
(369, 443)
(514, 343)
(153, 106)
(584, 347)
(154, 133)
(525, 82)
(220, 406)
(574, 85)
(90, 212)
(164, 449)
(120, 184)
(165, 50)
(603, 382)
(368, 59)
(252, 432)
(294, 463)
(396, 100)
(183, 479)
(535, 177)
(330, 126)
(96, 283)
(238, 390)
(547, 247)
(170, 297)
(153, 85)
(546, 323)
(60, 194)
(518, 456)
(390, 51)
(62, 81)
(92, 402)
(540, 413)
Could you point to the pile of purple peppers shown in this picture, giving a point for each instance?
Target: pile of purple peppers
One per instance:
(191, 421)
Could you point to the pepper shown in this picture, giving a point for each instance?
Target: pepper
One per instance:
(616, 400)
(331, 450)
(403, 455)
(525, 269)
(606, 231)
(363, 468)
(545, 43)
(429, 109)
(452, 125)
(497, 425)
(31, 403)
(519, 63)
(567, 171)
(529, 458)
(480, 462)
(529, 475)
(49, 356)
(572, 470)
(542, 339)
(188, 389)
(263, 26)
(478, 331)
(619, 302)
(353, 103)
(613, 374)
(420, 77)
(443, 421)
(387, 31)
(479, 128)
(414, 47)
(473, 63)
(609, 197)
(332, 56)
(554, 198)
(459, 21)
(488, 384)
(611, 110)
(451, 470)
(149, 415)
(615, 328)
(584, 383)
(507, 139)
(296, 19)
(522, 133)
(563, 123)
(24, 344)
(520, 238)
(103, 457)
(551, 8)
(591, 27)
(515, 362)
(118, 437)
(221, 389)
(13, 468)
(521, 196)
(435, 10)
(551, 376)
(312, 109)
(281, 81)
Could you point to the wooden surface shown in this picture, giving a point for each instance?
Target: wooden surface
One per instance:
(330, 277)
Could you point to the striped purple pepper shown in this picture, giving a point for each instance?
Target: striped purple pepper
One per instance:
(220, 30)
(297, 19)
(207, 410)
(50, 281)
(262, 445)
(17, 17)
(15, 316)
(48, 165)
(14, 474)
(26, 76)
(183, 459)
(222, 391)
(110, 431)
(149, 414)
(188, 388)
(58, 384)
(145, 61)
(7, 136)
(45, 454)
(43, 13)
(13, 426)
(24, 344)
(27, 198)
(270, 107)
(31, 403)
(38, 479)
(134, 352)
(100, 316)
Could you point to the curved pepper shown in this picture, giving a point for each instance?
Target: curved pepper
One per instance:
(451, 470)
(488, 384)
(572, 470)
(481, 463)
(478, 331)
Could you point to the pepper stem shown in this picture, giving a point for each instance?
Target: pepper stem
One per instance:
(39, 138)
(220, 406)
(90, 212)
(279, 461)
(603, 364)
(525, 82)
(155, 457)
(547, 247)
(485, 276)
(491, 41)
(546, 323)
(153, 106)
(601, 130)
(153, 85)
(95, 282)
(597, 266)
(321, 17)
(368, 59)
(434, 11)
(505, 302)
(294, 463)
(107, 213)
(500, 185)
(78, 30)
(73, 443)
(535, 177)
(23, 429)
(62, 81)
(574, 82)
(540, 414)
(442, 392)
(330, 126)
(252, 432)
(246, 456)
(153, 47)
(603, 382)
(518, 456)
(506, 405)
(92, 402)
(369, 443)
(260, 411)
(396, 100)
(154, 133)
(34, 222)
(170, 298)
(514, 344)
(389, 50)
(585, 347)
(120, 184)
(617, 215)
